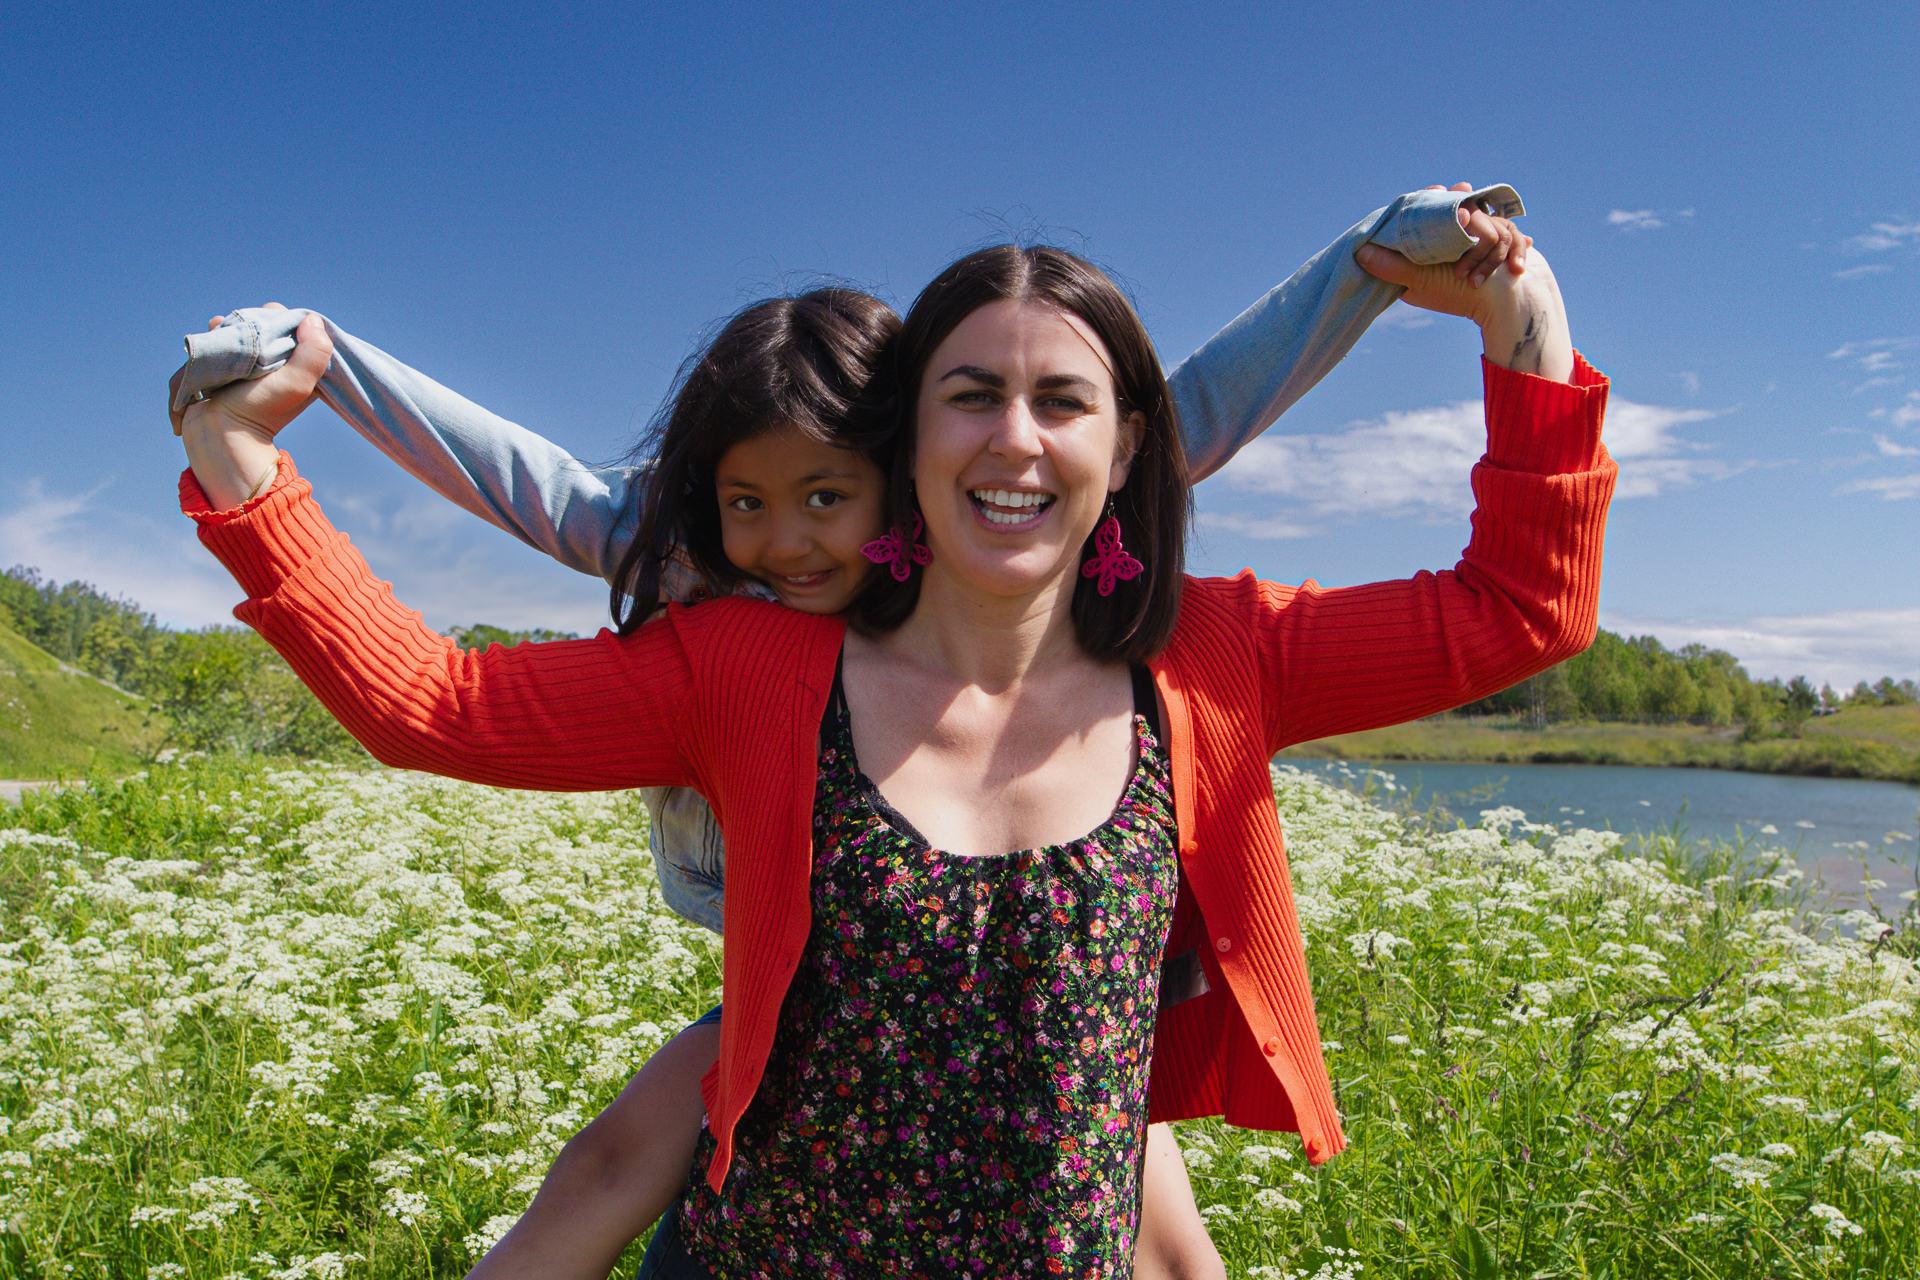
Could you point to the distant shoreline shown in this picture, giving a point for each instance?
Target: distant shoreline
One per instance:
(1875, 743)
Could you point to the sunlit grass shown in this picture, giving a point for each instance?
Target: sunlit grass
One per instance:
(1871, 742)
(278, 1023)
(1559, 1056)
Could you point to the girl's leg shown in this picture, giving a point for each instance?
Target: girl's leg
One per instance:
(1173, 1243)
(617, 1175)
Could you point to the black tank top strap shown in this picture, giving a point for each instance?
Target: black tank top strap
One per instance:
(1146, 699)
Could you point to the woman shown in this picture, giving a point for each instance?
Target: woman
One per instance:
(936, 793)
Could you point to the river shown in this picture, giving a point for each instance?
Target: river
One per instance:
(1830, 823)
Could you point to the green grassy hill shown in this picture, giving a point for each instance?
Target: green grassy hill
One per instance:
(56, 721)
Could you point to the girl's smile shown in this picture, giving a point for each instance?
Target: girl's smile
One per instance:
(794, 513)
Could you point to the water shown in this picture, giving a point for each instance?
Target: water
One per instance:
(1831, 823)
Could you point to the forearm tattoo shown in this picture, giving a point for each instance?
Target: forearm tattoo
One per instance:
(1529, 354)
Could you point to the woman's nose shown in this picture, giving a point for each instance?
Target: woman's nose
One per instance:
(1017, 434)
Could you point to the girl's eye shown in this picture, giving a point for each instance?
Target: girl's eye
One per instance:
(745, 503)
(825, 498)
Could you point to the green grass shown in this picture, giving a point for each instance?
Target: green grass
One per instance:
(57, 722)
(1894, 726)
(283, 1022)
(1871, 742)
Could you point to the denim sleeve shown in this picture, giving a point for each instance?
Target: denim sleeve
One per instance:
(501, 472)
(1244, 377)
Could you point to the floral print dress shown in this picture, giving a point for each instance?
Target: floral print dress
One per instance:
(958, 1083)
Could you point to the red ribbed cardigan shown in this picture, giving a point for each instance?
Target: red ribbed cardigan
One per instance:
(727, 697)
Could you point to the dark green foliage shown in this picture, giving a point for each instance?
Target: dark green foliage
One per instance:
(77, 624)
(481, 634)
(1637, 679)
(222, 689)
(225, 690)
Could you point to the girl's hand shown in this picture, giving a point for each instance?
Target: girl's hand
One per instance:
(1522, 319)
(1500, 242)
(229, 435)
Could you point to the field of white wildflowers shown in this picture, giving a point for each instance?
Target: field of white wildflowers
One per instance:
(281, 1023)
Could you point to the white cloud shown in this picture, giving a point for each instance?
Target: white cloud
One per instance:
(1891, 488)
(1644, 219)
(1892, 449)
(1415, 465)
(1865, 269)
(1252, 526)
(1690, 382)
(82, 536)
(1634, 220)
(1874, 354)
(1904, 414)
(1652, 458)
(1840, 648)
(1883, 236)
(1402, 316)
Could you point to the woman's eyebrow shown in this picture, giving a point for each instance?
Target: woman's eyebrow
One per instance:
(1054, 381)
(974, 371)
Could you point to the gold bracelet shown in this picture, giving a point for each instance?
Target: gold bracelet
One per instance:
(263, 481)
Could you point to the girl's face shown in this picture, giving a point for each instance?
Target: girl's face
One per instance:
(794, 513)
(1019, 440)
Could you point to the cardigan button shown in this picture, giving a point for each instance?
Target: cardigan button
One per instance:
(1272, 1046)
(1223, 945)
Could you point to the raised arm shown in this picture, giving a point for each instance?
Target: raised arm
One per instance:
(496, 469)
(1243, 378)
(571, 716)
(1525, 592)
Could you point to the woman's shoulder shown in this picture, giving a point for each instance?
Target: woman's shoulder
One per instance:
(1223, 616)
(1242, 591)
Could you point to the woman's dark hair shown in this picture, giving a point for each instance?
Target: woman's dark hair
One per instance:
(820, 363)
(1136, 621)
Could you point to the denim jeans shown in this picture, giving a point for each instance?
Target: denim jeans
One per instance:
(1229, 391)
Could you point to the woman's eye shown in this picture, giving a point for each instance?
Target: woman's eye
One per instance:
(1065, 404)
(825, 498)
(971, 398)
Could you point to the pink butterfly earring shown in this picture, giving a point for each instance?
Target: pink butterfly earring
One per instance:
(902, 550)
(1110, 563)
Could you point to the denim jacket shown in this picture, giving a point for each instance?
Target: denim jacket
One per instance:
(1229, 391)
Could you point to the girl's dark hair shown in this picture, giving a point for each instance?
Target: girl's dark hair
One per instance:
(1136, 621)
(819, 363)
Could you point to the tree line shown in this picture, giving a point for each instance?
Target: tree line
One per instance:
(1637, 679)
(217, 689)
(225, 689)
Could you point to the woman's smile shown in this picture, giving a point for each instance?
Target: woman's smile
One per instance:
(1019, 425)
(1010, 508)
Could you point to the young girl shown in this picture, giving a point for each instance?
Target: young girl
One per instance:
(791, 511)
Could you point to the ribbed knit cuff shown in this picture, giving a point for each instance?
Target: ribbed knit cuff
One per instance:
(1542, 426)
(264, 540)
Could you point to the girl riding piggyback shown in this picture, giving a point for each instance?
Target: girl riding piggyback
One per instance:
(767, 476)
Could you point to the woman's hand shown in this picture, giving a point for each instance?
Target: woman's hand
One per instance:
(229, 435)
(1522, 320)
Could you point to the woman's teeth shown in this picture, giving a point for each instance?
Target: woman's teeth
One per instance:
(1014, 508)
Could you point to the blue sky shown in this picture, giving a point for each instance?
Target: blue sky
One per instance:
(544, 205)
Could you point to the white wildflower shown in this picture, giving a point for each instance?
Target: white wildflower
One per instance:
(1271, 1200)
(1834, 1222)
(406, 1207)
